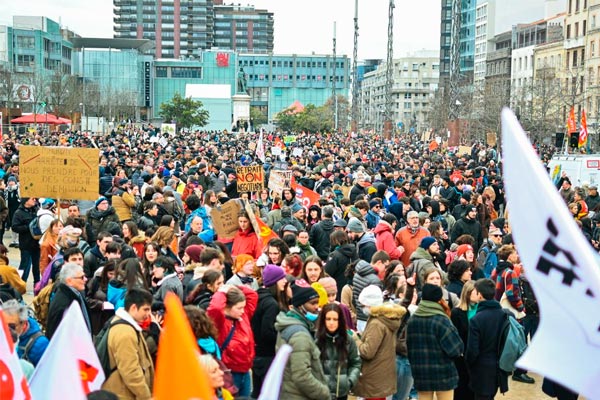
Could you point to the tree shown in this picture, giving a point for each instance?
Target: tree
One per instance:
(185, 112)
(311, 119)
(8, 81)
(62, 94)
(257, 116)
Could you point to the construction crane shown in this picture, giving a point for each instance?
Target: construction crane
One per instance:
(389, 78)
(454, 105)
(354, 112)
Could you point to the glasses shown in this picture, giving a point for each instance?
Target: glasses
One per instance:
(497, 235)
(82, 277)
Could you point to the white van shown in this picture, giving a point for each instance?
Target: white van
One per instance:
(582, 169)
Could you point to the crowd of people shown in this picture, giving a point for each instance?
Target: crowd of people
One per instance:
(394, 284)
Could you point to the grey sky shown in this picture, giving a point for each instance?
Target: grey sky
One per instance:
(301, 27)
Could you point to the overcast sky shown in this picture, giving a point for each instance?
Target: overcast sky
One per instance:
(301, 27)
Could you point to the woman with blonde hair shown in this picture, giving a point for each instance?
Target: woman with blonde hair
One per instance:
(164, 236)
(215, 377)
(48, 244)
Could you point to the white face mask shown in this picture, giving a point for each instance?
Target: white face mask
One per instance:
(366, 310)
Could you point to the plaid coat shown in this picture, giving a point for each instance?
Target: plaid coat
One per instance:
(433, 342)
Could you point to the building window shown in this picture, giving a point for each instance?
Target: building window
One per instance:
(25, 60)
(186, 72)
(161, 72)
(569, 31)
(25, 42)
(593, 48)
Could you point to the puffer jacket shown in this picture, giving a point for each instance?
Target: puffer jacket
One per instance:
(337, 263)
(366, 247)
(98, 221)
(123, 202)
(377, 349)
(20, 224)
(319, 237)
(384, 238)
(341, 377)
(246, 242)
(365, 275)
(303, 376)
(40, 343)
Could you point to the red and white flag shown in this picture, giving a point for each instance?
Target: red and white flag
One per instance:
(260, 147)
(13, 385)
(70, 359)
(583, 132)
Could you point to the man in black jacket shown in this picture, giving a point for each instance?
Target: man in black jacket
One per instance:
(470, 226)
(70, 287)
(28, 246)
(319, 233)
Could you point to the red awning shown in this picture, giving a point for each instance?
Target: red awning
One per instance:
(37, 118)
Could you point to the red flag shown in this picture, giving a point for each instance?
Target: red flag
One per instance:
(306, 196)
(264, 233)
(571, 126)
(583, 132)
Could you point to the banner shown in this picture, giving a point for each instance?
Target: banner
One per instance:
(560, 265)
(279, 180)
(306, 196)
(59, 172)
(225, 220)
(583, 132)
(571, 126)
(250, 178)
(171, 129)
(289, 139)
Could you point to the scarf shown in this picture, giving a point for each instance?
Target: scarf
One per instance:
(210, 346)
(472, 311)
(429, 309)
(246, 280)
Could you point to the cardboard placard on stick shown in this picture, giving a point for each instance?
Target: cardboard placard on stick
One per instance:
(250, 179)
(225, 219)
(59, 172)
(279, 180)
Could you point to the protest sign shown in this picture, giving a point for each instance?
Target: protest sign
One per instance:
(279, 180)
(225, 220)
(250, 178)
(59, 172)
(297, 152)
(168, 128)
(463, 150)
(275, 150)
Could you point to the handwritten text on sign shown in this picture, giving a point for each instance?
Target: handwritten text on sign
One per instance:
(250, 179)
(59, 172)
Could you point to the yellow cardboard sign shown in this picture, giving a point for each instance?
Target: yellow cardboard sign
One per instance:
(59, 172)
(250, 179)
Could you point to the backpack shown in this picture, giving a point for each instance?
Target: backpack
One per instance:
(34, 228)
(47, 275)
(484, 250)
(30, 344)
(512, 343)
(41, 305)
(101, 345)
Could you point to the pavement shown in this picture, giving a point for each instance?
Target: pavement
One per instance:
(517, 390)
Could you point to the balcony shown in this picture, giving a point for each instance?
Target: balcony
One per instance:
(574, 42)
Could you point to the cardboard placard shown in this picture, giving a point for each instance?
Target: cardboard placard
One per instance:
(59, 172)
(491, 138)
(225, 220)
(463, 150)
(250, 179)
(279, 180)
(171, 129)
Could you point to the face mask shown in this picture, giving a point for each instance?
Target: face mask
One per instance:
(312, 317)
(72, 243)
(366, 311)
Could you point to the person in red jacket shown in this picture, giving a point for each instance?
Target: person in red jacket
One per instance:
(231, 310)
(384, 236)
(246, 240)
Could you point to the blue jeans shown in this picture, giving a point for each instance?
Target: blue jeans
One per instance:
(404, 377)
(29, 258)
(242, 381)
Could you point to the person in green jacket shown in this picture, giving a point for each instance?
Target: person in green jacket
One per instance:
(303, 377)
(339, 354)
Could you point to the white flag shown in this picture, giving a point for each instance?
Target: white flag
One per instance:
(13, 385)
(70, 359)
(260, 148)
(272, 384)
(560, 265)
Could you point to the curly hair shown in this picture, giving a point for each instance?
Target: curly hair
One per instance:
(163, 236)
(202, 325)
(456, 269)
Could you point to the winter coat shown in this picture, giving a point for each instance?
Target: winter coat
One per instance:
(62, 298)
(460, 320)
(263, 323)
(123, 202)
(433, 344)
(202, 299)
(319, 237)
(337, 263)
(410, 241)
(246, 242)
(20, 224)
(470, 227)
(138, 243)
(146, 222)
(364, 276)
(377, 349)
(421, 261)
(341, 377)
(37, 349)
(303, 376)
(99, 221)
(239, 353)
(169, 283)
(385, 240)
(92, 261)
(366, 247)
(481, 352)
(95, 298)
(10, 275)
(129, 354)
(355, 191)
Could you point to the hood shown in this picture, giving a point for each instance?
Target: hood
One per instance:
(43, 211)
(502, 265)
(389, 313)
(97, 214)
(326, 224)
(137, 239)
(290, 318)
(367, 237)
(363, 268)
(382, 226)
(467, 220)
(263, 293)
(348, 249)
(421, 253)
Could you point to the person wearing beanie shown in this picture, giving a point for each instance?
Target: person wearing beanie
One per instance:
(272, 299)
(470, 226)
(377, 345)
(433, 343)
(365, 241)
(287, 219)
(101, 218)
(243, 269)
(46, 214)
(123, 199)
(408, 238)
(296, 328)
(373, 215)
(424, 258)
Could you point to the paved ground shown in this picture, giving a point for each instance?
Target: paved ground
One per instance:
(518, 391)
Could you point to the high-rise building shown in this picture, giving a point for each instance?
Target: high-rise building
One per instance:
(179, 28)
(243, 29)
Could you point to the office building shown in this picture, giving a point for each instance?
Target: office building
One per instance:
(243, 29)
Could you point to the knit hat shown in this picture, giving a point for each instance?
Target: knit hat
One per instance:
(431, 292)
(373, 203)
(123, 181)
(494, 232)
(371, 296)
(12, 179)
(322, 293)
(193, 251)
(290, 228)
(354, 225)
(462, 249)
(240, 261)
(427, 241)
(329, 284)
(100, 200)
(466, 196)
(272, 274)
(296, 207)
(302, 293)
(47, 204)
(340, 223)
(70, 230)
